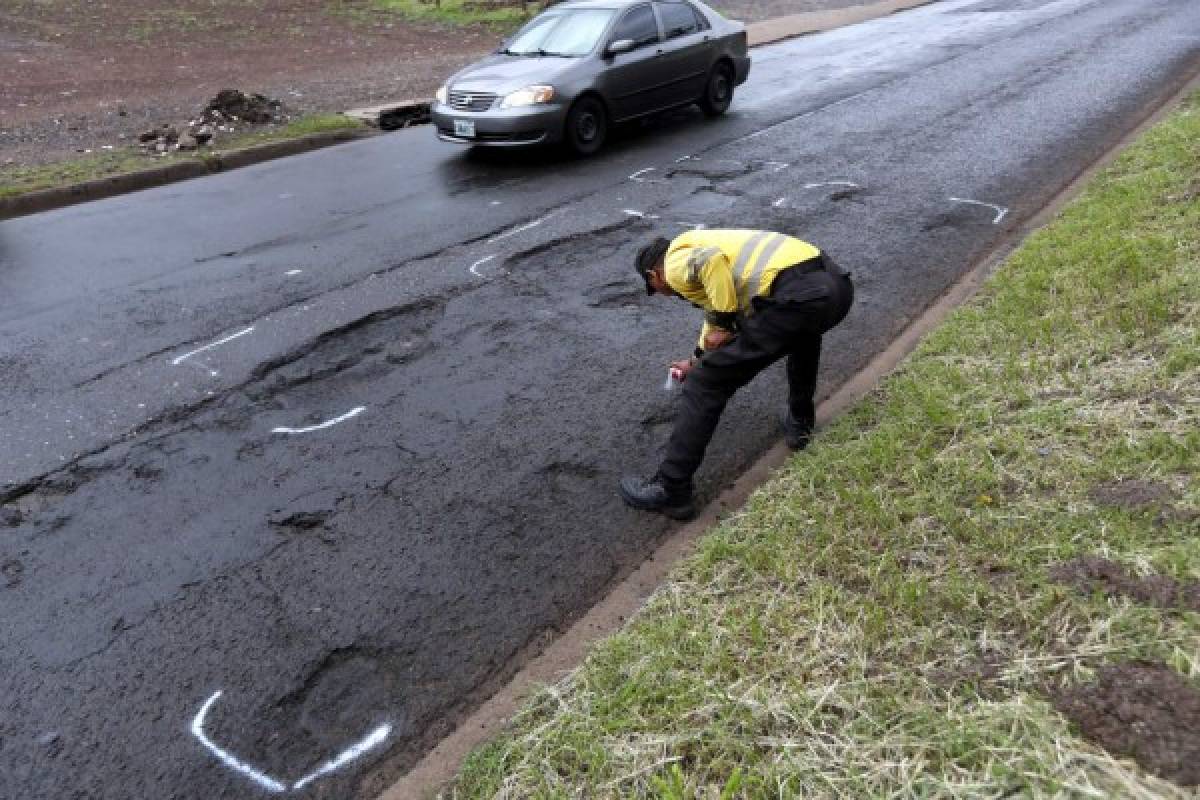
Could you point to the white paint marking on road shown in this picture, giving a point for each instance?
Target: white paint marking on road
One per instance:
(1001, 211)
(293, 272)
(632, 212)
(522, 228)
(227, 758)
(779, 166)
(329, 423)
(779, 203)
(475, 267)
(180, 359)
(832, 183)
(373, 740)
(494, 203)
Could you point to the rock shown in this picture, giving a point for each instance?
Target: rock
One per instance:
(148, 136)
(187, 142)
(161, 146)
(202, 133)
(170, 133)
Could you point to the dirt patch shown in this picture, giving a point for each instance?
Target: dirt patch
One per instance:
(256, 109)
(1094, 574)
(1132, 494)
(1143, 711)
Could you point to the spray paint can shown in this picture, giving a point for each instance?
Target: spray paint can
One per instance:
(674, 379)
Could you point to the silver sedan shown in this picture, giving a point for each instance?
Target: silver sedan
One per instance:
(578, 67)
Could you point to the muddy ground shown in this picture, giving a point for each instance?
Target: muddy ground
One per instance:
(1144, 711)
(80, 76)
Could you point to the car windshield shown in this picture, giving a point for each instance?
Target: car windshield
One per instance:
(561, 32)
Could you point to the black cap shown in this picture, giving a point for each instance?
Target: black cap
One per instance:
(648, 256)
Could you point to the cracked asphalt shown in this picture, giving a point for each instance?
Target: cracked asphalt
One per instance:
(471, 350)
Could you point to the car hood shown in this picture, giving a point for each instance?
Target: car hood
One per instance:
(501, 74)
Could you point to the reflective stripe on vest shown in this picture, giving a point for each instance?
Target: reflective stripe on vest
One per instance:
(749, 286)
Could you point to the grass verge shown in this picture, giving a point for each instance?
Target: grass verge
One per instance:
(502, 17)
(887, 616)
(24, 179)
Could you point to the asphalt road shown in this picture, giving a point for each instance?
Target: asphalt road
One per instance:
(471, 327)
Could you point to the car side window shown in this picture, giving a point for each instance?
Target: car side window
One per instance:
(639, 25)
(678, 19)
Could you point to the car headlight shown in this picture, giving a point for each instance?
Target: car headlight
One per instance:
(529, 96)
(440, 95)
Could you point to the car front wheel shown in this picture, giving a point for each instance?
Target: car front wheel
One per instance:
(587, 126)
(718, 93)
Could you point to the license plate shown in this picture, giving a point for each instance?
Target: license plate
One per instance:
(464, 128)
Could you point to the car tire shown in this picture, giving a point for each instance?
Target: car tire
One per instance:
(718, 92)
(587, 126)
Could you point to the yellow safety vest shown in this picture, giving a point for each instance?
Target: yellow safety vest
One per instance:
(722, 270)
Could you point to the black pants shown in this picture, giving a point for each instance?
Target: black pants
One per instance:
(806, 301)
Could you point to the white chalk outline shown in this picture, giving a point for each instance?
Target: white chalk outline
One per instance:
(522, 228)
(227, 758)
(635, 177)
(369, 742)
(354, 412)
(480, 263)
(1001, 211)
(831, 183)
(180, 359)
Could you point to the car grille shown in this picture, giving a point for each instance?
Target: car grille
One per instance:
(528, 137)
(471, 101)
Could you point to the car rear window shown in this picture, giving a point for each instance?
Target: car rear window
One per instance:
(679, 19)
(639, 25)
(561, 32)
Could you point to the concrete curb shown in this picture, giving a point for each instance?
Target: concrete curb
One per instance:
(208, 164)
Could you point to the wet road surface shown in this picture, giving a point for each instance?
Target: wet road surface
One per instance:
(338, 436)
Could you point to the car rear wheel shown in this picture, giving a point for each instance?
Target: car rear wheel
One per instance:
(718, 93)
(587, 126)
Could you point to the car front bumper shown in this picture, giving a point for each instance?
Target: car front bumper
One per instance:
(507, 127)
(741, 69)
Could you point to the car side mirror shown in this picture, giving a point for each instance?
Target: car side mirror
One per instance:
(620, 46)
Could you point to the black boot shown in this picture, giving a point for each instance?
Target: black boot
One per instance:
(797, 433)
(652, 495)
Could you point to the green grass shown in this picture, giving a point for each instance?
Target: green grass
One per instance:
(879, 620)
(459, 12)
(24, 179)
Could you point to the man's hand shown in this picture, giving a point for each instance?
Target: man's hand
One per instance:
(682, 368)
(717, 338)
